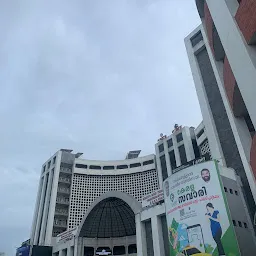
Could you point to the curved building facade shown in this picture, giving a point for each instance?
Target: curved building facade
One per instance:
(69, 185)
(91, 179)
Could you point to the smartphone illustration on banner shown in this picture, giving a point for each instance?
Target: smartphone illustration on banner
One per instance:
(195, 237)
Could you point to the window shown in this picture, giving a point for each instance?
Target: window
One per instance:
(236, 192)
(81, 166)
(245, 225)
(249, 124)
(169, 143)
(231, 191)
(108, 167)
(179, 137)
(161, 148)
(183, 157)
(163, 167)
(44, 168)
(226, 190)
(124, 166)
(95, 167)
(196, 38)
(240, 224)
(49, 164)
(234, 222)
(132, 248)
(119, 250)
(54, 160)
(135, 165)
(200, 133)
(148, 162)
(172, 159)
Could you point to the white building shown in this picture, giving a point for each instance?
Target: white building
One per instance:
(69, 185)
(222, 58)
(99, 203)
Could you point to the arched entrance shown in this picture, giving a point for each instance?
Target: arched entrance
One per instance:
(109, 226)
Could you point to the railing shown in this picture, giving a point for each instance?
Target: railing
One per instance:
(64, 190)
(65, 170)
(62, 200)
(65, 180)
(61, 211)
(60, 223)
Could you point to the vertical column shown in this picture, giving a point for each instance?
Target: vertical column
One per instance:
(40, 186)
(70, 251)
(159, 168)
(40, 212)
(78, 247)
(49, 225)
(190, 154)
(61, 253)
(140, 236)
(157, 235)
(176, 150)
(167, 158)
(46, 208)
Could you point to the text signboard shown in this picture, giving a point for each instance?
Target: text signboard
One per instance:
(197, 215)
(153, 198)
(67, 235)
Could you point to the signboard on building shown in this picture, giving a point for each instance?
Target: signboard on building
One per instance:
(106, 251)
(203, 158)
(153, 198)
(67, 235)
(197, 215)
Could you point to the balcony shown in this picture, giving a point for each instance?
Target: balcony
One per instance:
(65, 180)
(60, 223)
(61, 200)
(61, 212)
(62, 190)
(66, 170)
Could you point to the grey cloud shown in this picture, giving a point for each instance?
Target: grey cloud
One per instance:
(101, 77)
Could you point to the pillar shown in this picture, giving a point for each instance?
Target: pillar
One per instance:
(40, 212)
(70, 251)
(46, 208)
(140, 236)
(33, 230)
(52, 205)
(157, 235)
(78, 247)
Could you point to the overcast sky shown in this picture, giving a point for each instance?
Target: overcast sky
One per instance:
(101, 77)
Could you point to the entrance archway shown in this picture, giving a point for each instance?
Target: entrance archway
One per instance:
(109, 226)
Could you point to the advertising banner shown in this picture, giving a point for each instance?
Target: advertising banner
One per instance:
(197, 214)
(153, 198)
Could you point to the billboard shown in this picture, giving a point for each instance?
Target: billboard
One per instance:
(197, 215)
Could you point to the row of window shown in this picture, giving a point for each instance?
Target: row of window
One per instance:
(117, 250)
(183, 160)
(179, 138)
(240, 224)
(49, 164)
(231, 191)
(111, 167)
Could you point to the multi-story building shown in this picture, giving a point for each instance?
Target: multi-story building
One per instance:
(222, 57)
(101, 200)
(69, 185)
